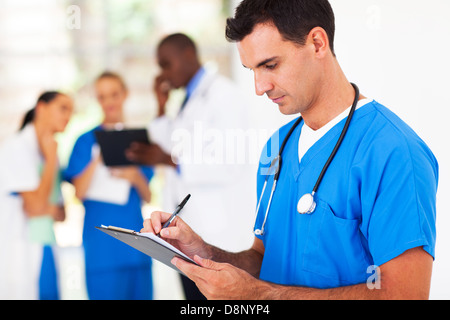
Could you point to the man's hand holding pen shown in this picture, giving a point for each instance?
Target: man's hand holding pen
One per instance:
(178, 234)
(215, 280)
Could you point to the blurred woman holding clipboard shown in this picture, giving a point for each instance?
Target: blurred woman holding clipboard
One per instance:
(110, 195)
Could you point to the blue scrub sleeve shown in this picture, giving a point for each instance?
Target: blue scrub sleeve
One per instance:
(398, 199)
(80, 157)
(148, 172)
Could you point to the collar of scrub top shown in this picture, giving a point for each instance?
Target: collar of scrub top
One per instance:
(192, 85)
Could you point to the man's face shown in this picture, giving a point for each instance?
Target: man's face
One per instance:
(283, 70)
(173, 65)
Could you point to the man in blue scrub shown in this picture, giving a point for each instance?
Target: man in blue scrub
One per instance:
(372, 233)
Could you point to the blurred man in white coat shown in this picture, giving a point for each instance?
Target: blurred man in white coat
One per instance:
(204, 148)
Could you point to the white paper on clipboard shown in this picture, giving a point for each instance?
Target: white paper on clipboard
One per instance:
(104, 187)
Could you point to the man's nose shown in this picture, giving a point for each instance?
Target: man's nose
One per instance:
(262, 84)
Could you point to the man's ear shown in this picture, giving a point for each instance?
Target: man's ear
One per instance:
(319, 38)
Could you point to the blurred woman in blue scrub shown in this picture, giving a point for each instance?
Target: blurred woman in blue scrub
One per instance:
(31, 200)
(111, 196)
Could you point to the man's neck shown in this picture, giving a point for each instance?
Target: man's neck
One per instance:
(334, 97)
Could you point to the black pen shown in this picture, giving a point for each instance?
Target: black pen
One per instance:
(177, 211)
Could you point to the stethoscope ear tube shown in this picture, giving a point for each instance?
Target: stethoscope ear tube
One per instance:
(341, 138)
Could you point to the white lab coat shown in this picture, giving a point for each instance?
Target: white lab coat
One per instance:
(20, 259)
(210, 140)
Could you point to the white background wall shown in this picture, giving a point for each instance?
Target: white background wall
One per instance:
(398, 52)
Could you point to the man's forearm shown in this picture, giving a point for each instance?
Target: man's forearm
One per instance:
(406, 277)
(249, 260)
(270, 291)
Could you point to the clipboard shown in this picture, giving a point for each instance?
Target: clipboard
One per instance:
(113, 144)
(149, 244)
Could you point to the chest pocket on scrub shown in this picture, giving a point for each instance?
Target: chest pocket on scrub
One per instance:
(334, 249)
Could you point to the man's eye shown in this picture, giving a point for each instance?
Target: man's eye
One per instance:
(271, 66)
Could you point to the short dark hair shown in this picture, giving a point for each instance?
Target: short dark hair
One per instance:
(180, 41)
(294, 19)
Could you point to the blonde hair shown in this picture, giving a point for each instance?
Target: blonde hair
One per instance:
(112, 75)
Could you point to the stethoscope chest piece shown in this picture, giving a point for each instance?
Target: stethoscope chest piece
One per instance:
(306, 204)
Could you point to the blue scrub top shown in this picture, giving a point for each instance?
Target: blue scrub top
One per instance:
(377, 200)
(104, 252)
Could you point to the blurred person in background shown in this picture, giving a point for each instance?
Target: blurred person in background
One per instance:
(201, 149)
(31, 200)
(111, 196)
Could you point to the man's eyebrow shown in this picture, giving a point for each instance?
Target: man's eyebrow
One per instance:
(262, 62)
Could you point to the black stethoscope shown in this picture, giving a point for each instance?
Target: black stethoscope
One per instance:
(306, 204)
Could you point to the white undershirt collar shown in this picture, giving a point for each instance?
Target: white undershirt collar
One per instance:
(308, 136)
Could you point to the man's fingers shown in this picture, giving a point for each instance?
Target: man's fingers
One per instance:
(154, 224)
(148, 227)
(137, 152)
(191, 270)
(158, 219)
(138, 146)
(206, 263)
